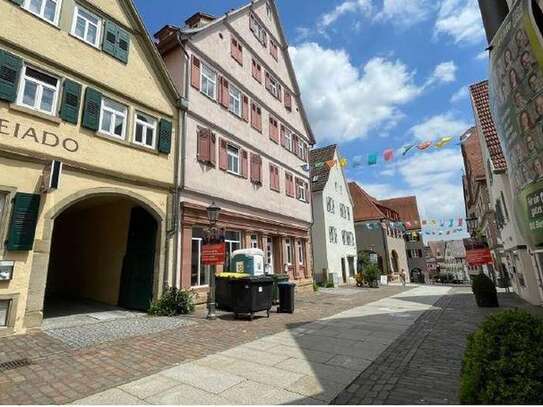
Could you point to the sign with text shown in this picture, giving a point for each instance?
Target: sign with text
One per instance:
(213, 254)
(478, 257)
(516, 102)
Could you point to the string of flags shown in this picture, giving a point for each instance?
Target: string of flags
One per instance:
(431, 226)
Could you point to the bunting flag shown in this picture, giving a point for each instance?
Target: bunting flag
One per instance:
(460, 221)
(372, 159)
(388, 155)
(406, 149)
(318, 165)
(451, 223)
(434, 222)
(331, 163)
(343, 162)
(442, 142)
(407, 224)
(424, 223)
(424, 146)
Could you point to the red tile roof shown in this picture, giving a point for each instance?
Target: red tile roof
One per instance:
(407, 208)
(481, 107)
(366, 207)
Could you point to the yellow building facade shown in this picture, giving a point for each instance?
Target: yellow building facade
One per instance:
(88, 146)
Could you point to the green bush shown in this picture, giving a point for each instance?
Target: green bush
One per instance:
(503, 362)
(173, 302)
(485, 291)
(315, 287)
(372, 274)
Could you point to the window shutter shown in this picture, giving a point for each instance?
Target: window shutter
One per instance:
(203, 146)
(256, 168)
(245, 108)
(225, 94)
(307, 192)
(295, 145)
(274, 131)
(258, 118)
(18, 2)
(244, 164)
(10, 69)
(123, 45)
(288, 100)
(240, 54)
(212, 148)
(71, 100)
(253, 114)
(24, 217)
(91, 109)
(111, 38)
(267, 81)
(280, 93)
(195, 72)
(165, 136)
(223, 157)
(283, 136)
(234, 48)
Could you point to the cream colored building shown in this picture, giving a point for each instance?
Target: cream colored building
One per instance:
(246, 139)
(82, 83)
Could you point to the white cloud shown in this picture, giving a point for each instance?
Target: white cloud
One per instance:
(482, 56)
(460, 95)
(345, 102)
(460, 20)
(405, 12)
(364, 7)
(445, 72)
(439, 126)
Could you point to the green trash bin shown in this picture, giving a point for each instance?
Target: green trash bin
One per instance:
(277, 278)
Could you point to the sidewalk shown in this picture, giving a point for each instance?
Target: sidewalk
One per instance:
(307, 364)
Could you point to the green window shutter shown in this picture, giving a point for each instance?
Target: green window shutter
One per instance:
(91, 109)
(123, 45)
(18, 2)
(10, 69)
(165, 136)
(109, 43)
(24, 217)
(71, 100)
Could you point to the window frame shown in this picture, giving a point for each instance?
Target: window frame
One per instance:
(41, 15)
(114, 115)
(238, 157)
(300, 184)
(301, 256)
(200, 269)
(39, 91)
(207, 78)
(254, 242)
(146, 126)
(288, 137)
(231, 98)
(99, 26)
(290, 254)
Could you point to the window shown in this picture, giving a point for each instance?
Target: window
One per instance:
(268, 10)
(235, 100)
(332, 234)
(257, 71)
(145, 131)
(301, 190)
(49, 10)
(199, 275)
(232, 240)
(233, 159)
(273, 85)
(344, 237)
(39, 91)
(289, 251)
(274, 50)
(86, 26)
(254, 241)
(348, 213)
(302, 150)
(4, 312)
(113, 119)
(209, 81)
(288, 139)
(301, 257)
(258, 30)
(3, 208)
(330, 205)
(274, 178)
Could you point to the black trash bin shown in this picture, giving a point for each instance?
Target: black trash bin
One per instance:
(286, 297)
(251, 294)
(277, 278)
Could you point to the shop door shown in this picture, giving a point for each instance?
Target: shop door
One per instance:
(139, 262)
(269, 254)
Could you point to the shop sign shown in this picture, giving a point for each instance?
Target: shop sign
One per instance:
(478, 257)
(516, 101)
(213, 254)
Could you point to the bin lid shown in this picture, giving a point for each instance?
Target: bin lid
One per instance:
(286, 283)
(248, 252)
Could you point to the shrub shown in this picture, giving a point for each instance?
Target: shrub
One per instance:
(503, 362)
(372, 275)
(173, 302)
(485, 291)
(315, 287)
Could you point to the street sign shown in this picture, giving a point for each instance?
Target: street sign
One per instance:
(478, 257)
(213, 254)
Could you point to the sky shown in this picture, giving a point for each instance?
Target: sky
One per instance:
(379, 74)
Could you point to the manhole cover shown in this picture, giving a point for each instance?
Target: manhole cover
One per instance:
(14, 364)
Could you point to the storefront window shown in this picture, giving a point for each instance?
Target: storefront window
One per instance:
(199, 276)
(233, 242)
(4, 308)
(289, 251)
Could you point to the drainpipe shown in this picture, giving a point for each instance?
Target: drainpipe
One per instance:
(493, 13)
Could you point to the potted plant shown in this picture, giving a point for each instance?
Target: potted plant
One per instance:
(485, 291)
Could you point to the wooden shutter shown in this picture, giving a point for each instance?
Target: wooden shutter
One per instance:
(91, 109)
(245, 108)
(203, 149)
(244, 164)
(234, 48)
(307, 192)
(256, 168)
(224, 96)
(289, 185)
(24, 217)
(165, 136)
(295, 145)
(123, 45)
(274, 130)
(267, 80)
(223, 157)
(258, 123)
(10, 70)
(195, 72)
(283, 136)
(240, 54)
(288, 101)
(71, 100)
(111, 38)
(212, 148)
(253, 114)
(280, 93)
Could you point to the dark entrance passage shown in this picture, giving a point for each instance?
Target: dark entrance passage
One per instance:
(102, 251)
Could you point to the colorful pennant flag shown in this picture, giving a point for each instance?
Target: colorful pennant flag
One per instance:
(460, 221)
(318, 165)
(424, 222)
(407, 148)
(388, 155)
(442, 142)
(372, 159)
(343, 162)
(451, 223)
(424, 146)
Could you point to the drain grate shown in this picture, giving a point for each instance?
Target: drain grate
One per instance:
(14, 364)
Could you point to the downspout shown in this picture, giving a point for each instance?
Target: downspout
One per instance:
(385, 244)
(493, 13)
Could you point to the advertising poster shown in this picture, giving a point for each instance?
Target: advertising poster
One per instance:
(516, 100)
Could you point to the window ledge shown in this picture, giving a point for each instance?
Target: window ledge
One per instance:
(32, 112)
(126, 143)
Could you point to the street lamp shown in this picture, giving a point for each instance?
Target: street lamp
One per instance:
(212, 216)
(473, 224)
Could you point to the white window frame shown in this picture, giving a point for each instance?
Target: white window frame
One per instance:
(288, 136)
(330, 204)
(4, 196)
(146, 126)
(275, 86)
(300, 187)
(96, 44)
(41, 14)
(115, 114)
(39, 91)
(301, 257)
(237, 157)
(235, 99)
(4, 324)
(200, 271)
(208, 78)
(288, 246)
(254, 241)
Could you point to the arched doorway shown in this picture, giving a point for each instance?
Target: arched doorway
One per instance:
(395, 263)
(103, 250)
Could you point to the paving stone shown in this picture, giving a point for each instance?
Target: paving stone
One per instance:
(149, 386)
(248, 392)
(111, 397)
(201, 377)
(349, 362)
(263, 374)
(187, 395)
(325, 390)
(300, 353)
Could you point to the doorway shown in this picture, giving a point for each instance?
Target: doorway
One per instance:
(350, 261)
(343, 270)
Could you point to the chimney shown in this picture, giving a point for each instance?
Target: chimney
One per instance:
(199, 20)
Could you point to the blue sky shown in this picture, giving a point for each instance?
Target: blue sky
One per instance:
(379, 74)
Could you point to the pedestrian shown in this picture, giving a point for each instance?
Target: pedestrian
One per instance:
(402, 277)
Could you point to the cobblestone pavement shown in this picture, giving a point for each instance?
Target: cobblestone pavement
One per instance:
(423, 365)
(59, 374)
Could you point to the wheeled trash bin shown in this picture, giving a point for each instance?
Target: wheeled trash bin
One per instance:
(286, 297)
(251, 294)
